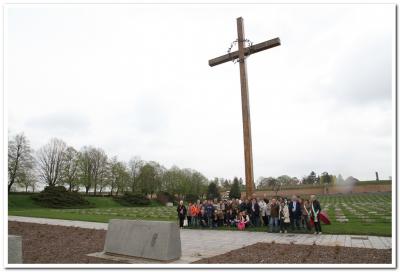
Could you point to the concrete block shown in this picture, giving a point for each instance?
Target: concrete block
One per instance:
(14, 249)
(157, 240)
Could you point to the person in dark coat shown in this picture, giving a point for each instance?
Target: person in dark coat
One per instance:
(315, 211)
(230, 218)
(248, 206)
(295, 212)
(274, 218)
(203, 219)
(209, 209)
(255, 213)
(243, 205)
(181, 213)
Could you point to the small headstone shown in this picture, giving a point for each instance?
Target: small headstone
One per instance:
(170, 204)
(157, 240)
(14, 249)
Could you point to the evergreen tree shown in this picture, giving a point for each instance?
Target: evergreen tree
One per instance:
(213, 191)
(235, 189)
(311, 178)
(325, 178)
(241, 184)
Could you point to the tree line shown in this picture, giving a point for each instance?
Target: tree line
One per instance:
(325, 178)
(92, 170)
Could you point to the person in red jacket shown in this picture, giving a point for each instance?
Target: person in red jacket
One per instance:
(195, 210)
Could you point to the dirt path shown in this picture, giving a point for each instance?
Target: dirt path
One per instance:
(292, 254)
(46, 244)
(57, 244)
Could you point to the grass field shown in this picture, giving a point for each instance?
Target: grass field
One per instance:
(365, 214)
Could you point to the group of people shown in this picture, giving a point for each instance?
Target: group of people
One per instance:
(277, 214)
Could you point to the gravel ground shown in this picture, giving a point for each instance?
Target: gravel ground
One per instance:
(57, 244)
(280, 253)
(66, 245)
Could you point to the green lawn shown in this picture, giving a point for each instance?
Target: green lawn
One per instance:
(366, 214)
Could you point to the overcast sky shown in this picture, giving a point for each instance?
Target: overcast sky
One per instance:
(135, 80)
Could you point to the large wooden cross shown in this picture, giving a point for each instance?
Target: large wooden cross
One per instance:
(241, 55)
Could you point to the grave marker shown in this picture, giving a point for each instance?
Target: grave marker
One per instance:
(14, 249)
(157, 240)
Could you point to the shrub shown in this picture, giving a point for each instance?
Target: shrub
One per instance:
(132, 199)
(164, 197)
(59, 197)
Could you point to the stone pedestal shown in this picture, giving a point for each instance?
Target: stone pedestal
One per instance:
(157, 240)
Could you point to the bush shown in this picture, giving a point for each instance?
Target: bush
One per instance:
(164, 197)
(59, 197)
(132, 199)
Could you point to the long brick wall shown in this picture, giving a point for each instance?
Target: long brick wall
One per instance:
(328, 190)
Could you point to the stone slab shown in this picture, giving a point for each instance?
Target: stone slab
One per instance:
(156, 240)
(14, 249)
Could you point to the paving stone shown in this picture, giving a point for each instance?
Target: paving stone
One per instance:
(376, 242)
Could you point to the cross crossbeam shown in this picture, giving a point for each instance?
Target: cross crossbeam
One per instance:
(247, 51)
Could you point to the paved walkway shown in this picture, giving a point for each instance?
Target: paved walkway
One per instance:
(198, 244)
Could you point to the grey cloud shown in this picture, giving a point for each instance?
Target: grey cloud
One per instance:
(60, 123)
(363, 73)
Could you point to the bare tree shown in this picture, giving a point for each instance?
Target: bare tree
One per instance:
(105, 177)
(113, 173)
(134, 165)
(70, 168)
(20, 160)
(93, 167)
(51, 158)
(27, 179)
(99, 166)
(120, 176)
(85, 168)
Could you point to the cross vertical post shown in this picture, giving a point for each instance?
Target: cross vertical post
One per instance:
(248, 151)
(240, 55)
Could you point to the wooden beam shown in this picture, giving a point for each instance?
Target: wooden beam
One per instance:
(248, 152)
(247, 51)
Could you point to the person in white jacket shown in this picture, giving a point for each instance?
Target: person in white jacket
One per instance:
(284, 216)
(263, 209)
